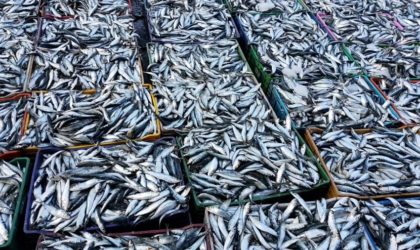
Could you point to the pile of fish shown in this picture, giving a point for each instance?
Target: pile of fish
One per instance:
(384, 161)
(394, 224)
(289, 6)
(405, 95)
(11, 121)
(195, 61)
(63, 118)
(186, 104)
(293, 46)
(16, 44)
(104, 31)
(324, 224)
(10, 181)
(92, 68)
(108, 186)
(70, 8)
(209, 22)
(251, 160)
(340, 103)
(19, 9)
(191, 239)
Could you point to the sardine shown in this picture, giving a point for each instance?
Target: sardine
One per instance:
(265, 6)
(64, 8)
(11, 122)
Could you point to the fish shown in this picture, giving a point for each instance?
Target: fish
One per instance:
(174, 24)
(289, 6)
(10, 183)
(20, 9)
(381, 162)
(247, 161)
(405, 95)
(393, 223)
(84, 69)
(16, 43)
(294, 46)
(299, 224)
(126, 184)
(69, 118)
(11, 122)
(104, 31)
(344, 102)
(192, 238)
(185, 104)
(65, 8)
(195, 61)
(186, 4)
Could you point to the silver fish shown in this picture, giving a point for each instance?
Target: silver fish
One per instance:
(19, 9)
(16, 44)
(191, 238)
(201, 24)
(64, 118)
(384, 161)
(250, 160)
(63, 8)
(327, 103)
(11, 122)
(405, 95)
(186, 104)
(10, 181)
(123, 184)
(83, 69)
(104, 31)
(195, 61)
(322, 224)
(289, 6)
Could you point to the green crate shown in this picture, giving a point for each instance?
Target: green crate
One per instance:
(258, 68)
(318, 190)
(23, 162)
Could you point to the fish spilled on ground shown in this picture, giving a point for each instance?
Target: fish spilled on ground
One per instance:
(64, 8)
(16, 44)
(83, 69)
(322, 225)
(179, 239)
(68, 118)
(104, 31)
(186, 104)
(250, 160)
(327, 103)
(101, 186)
(10, 181)
(209, 22)
(405, 95)
(384, 161)
(195, 61)
(11, 122)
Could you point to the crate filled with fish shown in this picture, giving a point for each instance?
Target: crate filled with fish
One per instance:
(71, 8)
(122, 187)
(321, 224)
(186, 104)
(253, 160)
(191, 237)
(84, 69)
(14, 179)
(268, 6)
(344, 102)
(186, 4)
(393, 224)
(12, 121)
(404, 95)
(68, 119)
(211, 21)
(85, 32)
(377, 163)
(292, 46)
(19, 9)
(16, 42)
(196, 61)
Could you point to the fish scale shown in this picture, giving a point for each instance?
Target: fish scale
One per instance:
(107, 185)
